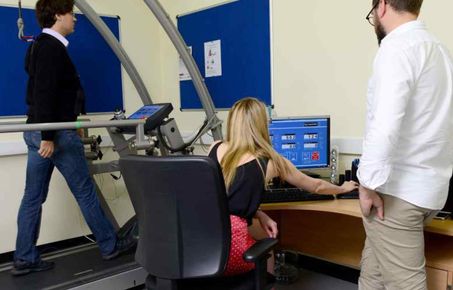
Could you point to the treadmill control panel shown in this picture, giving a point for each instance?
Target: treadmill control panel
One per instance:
(153, 114)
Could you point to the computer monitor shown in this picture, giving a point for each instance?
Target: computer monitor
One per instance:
(305, 141)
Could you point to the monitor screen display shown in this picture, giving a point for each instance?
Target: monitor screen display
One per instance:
(145, 112)
(305, 141)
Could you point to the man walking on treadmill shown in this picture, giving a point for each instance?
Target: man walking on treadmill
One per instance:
(54, 94)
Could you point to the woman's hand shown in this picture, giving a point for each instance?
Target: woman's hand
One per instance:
(349, 186)
(268, 224)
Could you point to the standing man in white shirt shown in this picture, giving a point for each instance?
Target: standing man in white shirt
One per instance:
(407, 156)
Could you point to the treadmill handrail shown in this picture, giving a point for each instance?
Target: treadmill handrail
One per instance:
(10, 128)
(117, 48)
(181, 47)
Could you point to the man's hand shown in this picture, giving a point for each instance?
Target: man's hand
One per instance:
(81, 132)
(268, 224)
(369, 199)
(46, 149)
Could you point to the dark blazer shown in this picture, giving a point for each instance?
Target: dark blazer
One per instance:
(54, 93)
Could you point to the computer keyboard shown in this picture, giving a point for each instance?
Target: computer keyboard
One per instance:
(350, 195)
(275, 195)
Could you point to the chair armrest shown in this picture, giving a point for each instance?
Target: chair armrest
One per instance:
(259, 249)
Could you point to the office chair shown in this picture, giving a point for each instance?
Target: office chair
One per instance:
(184, 225)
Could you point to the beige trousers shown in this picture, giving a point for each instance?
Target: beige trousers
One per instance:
(394, 254)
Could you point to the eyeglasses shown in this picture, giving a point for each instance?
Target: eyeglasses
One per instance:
(370, 15)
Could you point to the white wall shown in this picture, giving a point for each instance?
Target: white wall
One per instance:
(322, 55)
(322, 58)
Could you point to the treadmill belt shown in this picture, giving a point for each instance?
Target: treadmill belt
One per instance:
(75, 269)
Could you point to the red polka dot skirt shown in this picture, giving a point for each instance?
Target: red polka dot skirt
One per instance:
(241, 241)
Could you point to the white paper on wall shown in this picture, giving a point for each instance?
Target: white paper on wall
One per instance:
(213, 58)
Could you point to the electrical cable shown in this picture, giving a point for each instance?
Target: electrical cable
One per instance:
(203, 129)
(21, 27)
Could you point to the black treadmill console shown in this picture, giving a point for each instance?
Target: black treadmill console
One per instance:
(153, 114)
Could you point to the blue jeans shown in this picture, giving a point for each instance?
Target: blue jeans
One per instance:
(69, 158)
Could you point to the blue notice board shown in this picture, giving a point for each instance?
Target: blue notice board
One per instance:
(243, 28)
(99, 68)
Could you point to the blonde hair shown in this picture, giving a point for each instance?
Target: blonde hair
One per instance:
(247, 132)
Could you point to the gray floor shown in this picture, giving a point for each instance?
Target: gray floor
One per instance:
(314, 281)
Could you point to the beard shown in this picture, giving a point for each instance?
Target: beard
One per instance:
(380, 32)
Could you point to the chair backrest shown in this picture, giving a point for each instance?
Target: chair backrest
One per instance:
(182, 212)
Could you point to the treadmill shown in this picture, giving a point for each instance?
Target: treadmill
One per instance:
(82, 267)
(79, 267)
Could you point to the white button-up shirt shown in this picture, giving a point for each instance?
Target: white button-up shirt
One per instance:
(408, 145)
(57, 35)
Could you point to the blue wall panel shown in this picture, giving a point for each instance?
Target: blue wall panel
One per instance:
(244, 30)
(99, 68)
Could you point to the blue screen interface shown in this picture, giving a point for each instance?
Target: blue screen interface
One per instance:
(305, 141)
(145, 112)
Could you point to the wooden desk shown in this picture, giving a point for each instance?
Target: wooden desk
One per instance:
(333, 231)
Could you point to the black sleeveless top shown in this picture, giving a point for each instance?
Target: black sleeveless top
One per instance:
(244, 194)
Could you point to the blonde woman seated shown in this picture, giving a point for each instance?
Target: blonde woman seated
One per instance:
(248, 162)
